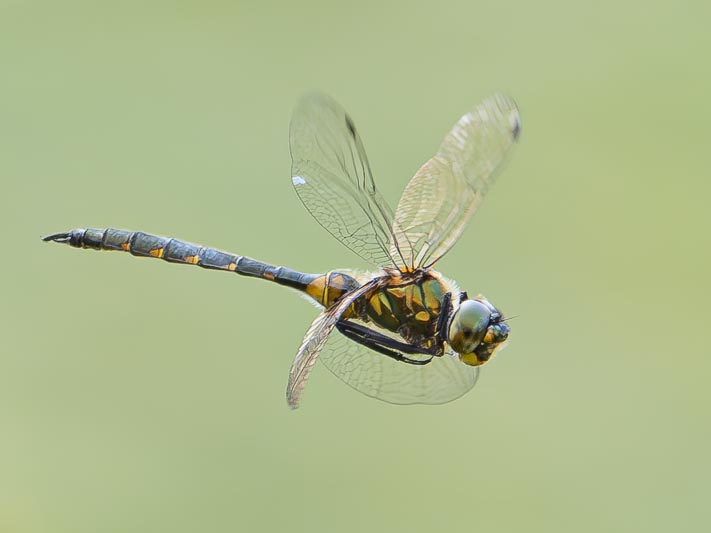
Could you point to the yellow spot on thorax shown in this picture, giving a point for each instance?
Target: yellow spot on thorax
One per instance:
(375, 304)
(422, 316)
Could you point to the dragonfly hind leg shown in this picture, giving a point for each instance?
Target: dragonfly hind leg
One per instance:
(382, 343)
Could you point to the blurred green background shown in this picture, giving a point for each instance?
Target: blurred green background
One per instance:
(139, 396)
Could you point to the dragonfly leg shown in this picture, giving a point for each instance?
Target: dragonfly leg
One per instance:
(446, 310)
(382, 343)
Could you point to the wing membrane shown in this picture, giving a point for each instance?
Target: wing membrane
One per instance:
(315, 339)
(442, 380)
(332, 177)
(447, 190)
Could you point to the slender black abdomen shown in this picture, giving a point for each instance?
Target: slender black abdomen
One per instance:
(324, 288)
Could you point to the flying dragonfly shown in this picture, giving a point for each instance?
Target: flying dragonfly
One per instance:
(404, 334)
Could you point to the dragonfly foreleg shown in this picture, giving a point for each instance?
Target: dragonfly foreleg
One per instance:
(443, 320)
(382, 343)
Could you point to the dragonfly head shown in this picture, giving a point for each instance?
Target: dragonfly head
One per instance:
(476, 330)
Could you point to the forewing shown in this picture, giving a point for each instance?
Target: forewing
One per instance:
(447, 190)
(332, 177)
(442, 380)
(315, 339)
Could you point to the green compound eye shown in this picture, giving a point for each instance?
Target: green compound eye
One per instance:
(469, 326)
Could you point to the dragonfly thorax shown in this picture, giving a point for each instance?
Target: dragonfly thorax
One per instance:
(409, 305)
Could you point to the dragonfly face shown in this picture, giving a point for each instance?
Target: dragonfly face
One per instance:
(476, 331)
(404, 334)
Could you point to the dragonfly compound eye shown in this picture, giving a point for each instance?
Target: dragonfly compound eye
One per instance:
(468, 326)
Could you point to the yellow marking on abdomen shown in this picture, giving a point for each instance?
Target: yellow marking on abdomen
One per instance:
(315, 289)
(269, 276)
(158, 252)
(125, 247)
(232, 267)
(192, 259)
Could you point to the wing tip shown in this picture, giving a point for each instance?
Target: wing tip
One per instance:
(292, 400)
(515, 125)
(505, 105)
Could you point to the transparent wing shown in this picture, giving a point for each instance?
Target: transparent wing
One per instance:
(447, 190)
(315, 339)
(332, 177)
(442, 380)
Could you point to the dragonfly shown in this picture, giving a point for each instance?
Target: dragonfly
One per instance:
(404, 334)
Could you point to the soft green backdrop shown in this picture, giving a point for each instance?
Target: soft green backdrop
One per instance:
(139, 396)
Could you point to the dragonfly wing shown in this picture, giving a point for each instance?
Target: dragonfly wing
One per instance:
(442, 380)
(447, 190)
(315, 339)
(332, 177)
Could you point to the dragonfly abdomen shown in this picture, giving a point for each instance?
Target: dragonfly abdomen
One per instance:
(324, 288)
(328, 288)
(173, 250)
